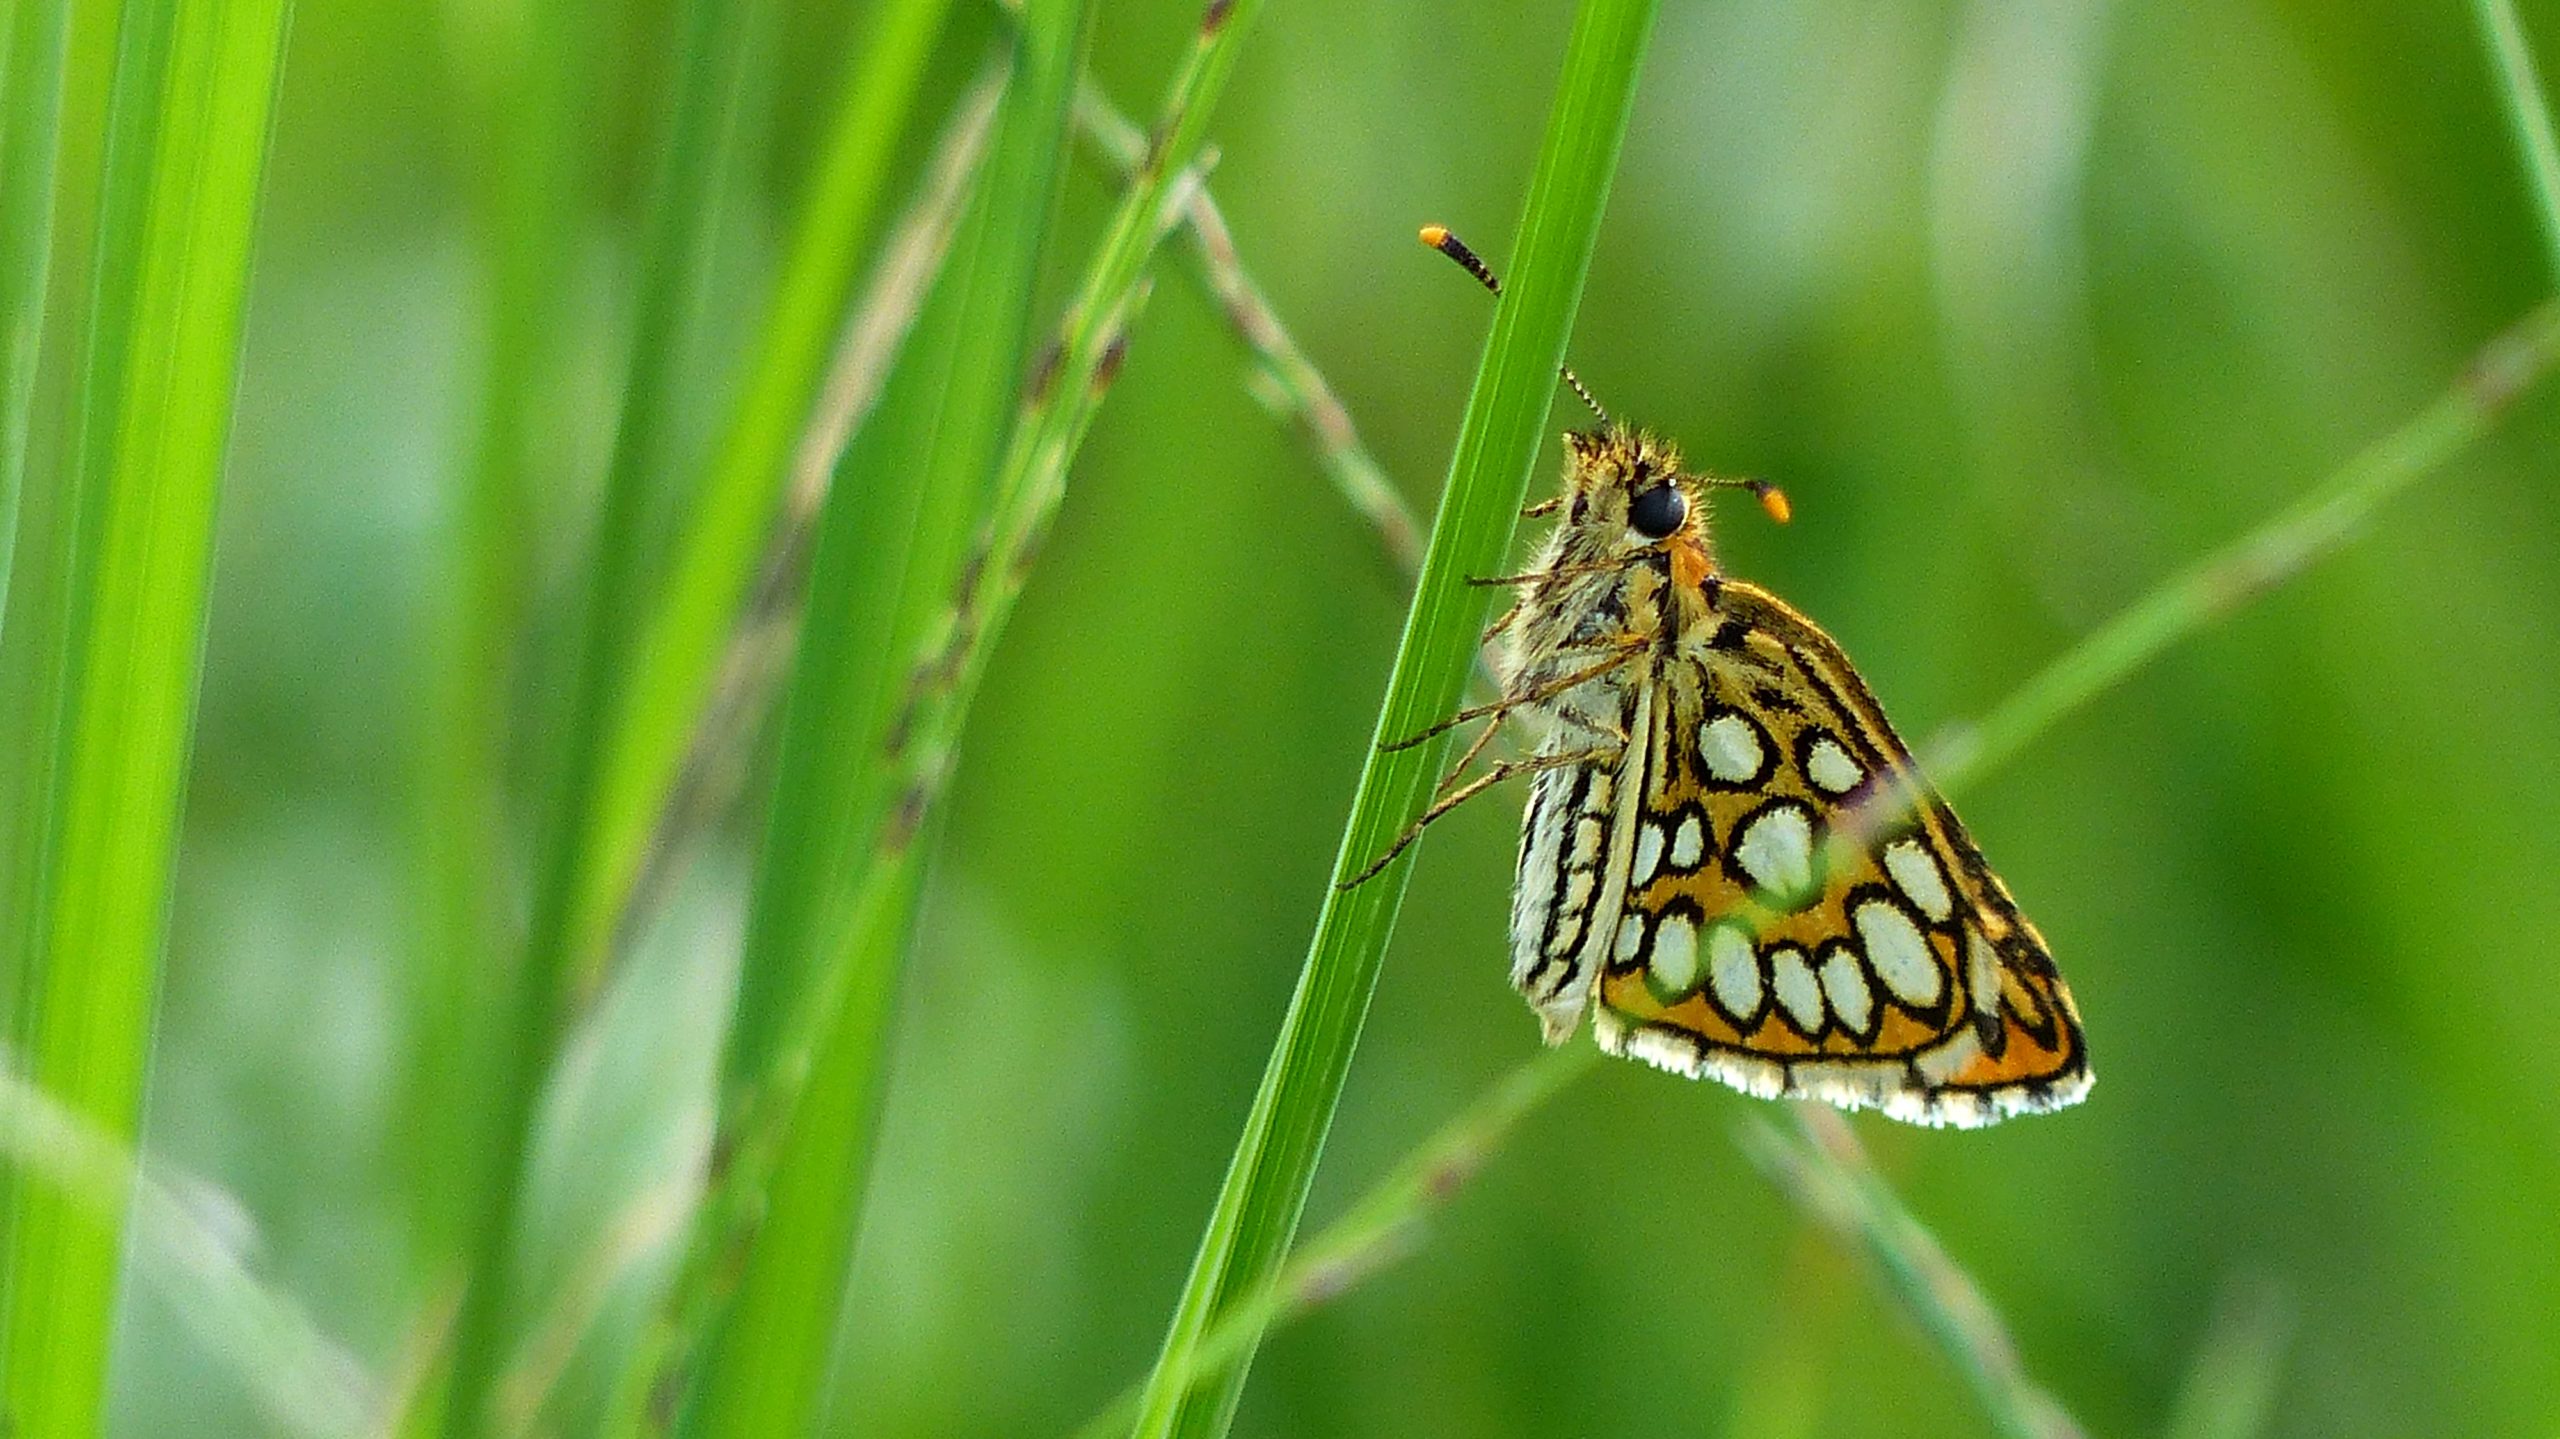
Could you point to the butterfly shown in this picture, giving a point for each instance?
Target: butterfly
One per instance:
(1729, 861)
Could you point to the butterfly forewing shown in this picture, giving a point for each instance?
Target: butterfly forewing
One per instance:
(1800, 914)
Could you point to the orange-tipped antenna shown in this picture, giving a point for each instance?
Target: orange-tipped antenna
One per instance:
(1439, 238)
(1773, 501)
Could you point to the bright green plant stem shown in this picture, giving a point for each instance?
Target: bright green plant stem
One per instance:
(33, 37)
(716, 42)
(2520, 91)
(524, 70)
(752, 670)
(192, 93)
(890, 537)
(805, 1104)
(1257, 1209)
(724, 539)
(1380, 1226)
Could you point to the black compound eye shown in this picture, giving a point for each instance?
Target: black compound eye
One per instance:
(1658, 511)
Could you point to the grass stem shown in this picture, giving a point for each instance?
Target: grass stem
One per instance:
(1827, 1173)
(2528, 115)
(1257, 1209)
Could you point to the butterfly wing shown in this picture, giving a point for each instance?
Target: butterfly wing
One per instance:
(1891, 969)
(1576, 845)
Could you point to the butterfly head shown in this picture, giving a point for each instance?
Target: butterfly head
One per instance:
(1625, 495)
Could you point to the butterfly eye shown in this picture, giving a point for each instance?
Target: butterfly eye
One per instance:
(1658, 511)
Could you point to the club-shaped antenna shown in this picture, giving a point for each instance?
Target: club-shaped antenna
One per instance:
(1439, 238)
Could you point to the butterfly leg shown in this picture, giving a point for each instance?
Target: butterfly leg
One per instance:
(1509, 769)
(1532, 577)
(1508, 703)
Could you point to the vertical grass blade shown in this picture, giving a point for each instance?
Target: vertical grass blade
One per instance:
(525, 74)
(723, 542)
(716, 42)
(192, 94)
(33, 34)
(1257, 1209)
(1383, 1225)
(891, 539)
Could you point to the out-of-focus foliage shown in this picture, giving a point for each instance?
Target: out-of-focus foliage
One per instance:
(2024, 305)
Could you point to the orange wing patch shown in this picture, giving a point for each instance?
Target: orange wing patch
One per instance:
(1886, 966)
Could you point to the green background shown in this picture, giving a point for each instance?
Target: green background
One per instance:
(2025, 305)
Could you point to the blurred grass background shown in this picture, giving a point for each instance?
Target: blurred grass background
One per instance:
(2024, 305)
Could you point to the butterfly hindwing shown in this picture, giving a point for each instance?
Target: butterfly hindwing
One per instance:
(1890, 969)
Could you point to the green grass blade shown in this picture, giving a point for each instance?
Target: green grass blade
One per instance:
(1380, 1226)
(1073, 375)
(529, 119)
(920, 296)
(891, 539)
(193, 91)
(33, 34)
(921, 475)
(698, 167)
(2528, 115)
(1257, 1209)
(724, 538)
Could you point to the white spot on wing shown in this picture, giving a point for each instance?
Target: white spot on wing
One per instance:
(1675, 955)
(1901, 954)
(1830, 767)
(1799, 993)
(1846, 987)
(1648, 853)
(1960, 1049)
(1690, 844)
(1982, 968)
(1630, 938)
(1776, 850)
(1915, 872)
(1586, 843)
(1733, 972)
(1729, 746)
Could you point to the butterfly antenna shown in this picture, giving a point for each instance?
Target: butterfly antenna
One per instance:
(1773, 501)
(1439, 238)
